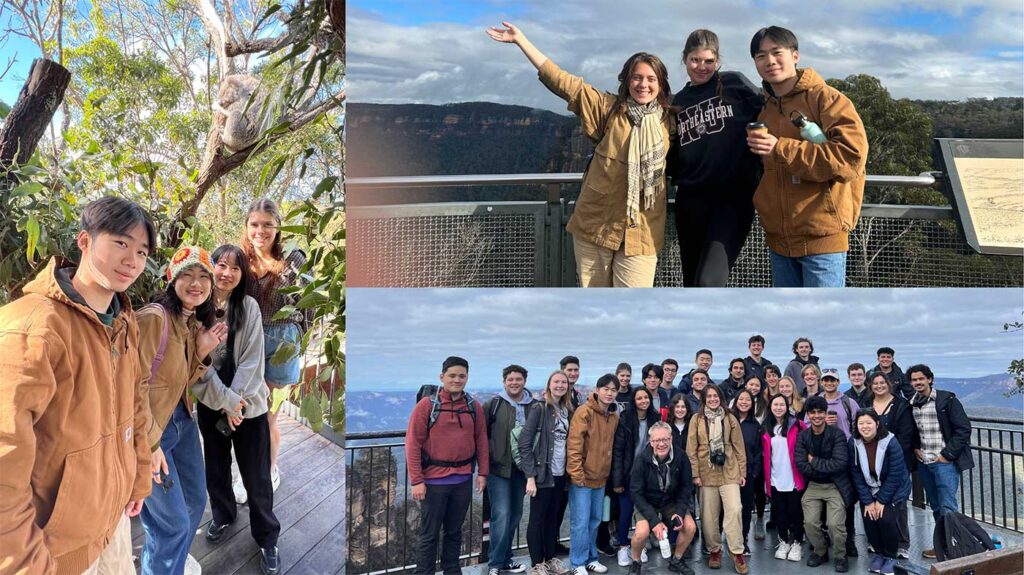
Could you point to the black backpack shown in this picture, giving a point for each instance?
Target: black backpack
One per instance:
(957, 535)
(433, 392)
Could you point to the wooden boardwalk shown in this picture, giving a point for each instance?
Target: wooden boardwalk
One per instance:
(309, 505)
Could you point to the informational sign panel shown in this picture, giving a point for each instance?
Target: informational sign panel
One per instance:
(987, 180)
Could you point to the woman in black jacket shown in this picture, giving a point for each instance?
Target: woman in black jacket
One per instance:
(743, 409)
(679, 419)
(542, 450)
(895, 414)
(630, 440)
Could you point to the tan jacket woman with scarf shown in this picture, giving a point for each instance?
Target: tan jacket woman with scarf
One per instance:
(618, 225)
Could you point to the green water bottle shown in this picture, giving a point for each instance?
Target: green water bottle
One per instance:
(808, 129)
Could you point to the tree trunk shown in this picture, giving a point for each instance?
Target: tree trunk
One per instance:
(39, 99)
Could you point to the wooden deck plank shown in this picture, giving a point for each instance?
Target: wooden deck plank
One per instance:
(324, 556)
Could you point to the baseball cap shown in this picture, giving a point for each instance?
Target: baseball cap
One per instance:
(830, 372)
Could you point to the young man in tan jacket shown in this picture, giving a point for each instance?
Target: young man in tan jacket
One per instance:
(73, 444)
(810, 195)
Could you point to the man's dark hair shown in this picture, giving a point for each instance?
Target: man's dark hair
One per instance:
(777, 34)
(774, 369)
(116, 216)
(624, 367)
(669, 361)
(800, 339)
(696, 371)
(736, 360)
(701, 352)
(927, 371)
(452, 361)
(567, 360)
(652, 367)
(887, 350)
(755, 338)
(513, 369)
(606, 380)
(854, 367)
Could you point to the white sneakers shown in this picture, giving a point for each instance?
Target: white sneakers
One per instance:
(596, 567)
(782, 551)
(581, 570)
(192, 566)
(275, 477)
(795, 552)
(643, 555)
(623, 557)
(241, 495)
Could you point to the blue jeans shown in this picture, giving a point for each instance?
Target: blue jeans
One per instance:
(506, 496)
(821, 270)
(941, 482)
(585, 509)
(171, 516)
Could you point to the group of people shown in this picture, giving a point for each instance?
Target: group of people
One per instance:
(661, 455)
(728, 148)
(102, 406)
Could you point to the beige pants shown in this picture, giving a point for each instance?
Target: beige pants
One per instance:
(598, 266)
(825, 495)
(712, 502)
(116, 559)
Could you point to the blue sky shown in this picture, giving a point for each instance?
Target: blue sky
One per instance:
(437, 52)
(397, 338)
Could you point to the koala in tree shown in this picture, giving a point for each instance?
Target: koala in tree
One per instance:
(242, 127)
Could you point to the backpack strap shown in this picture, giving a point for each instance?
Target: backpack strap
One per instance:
(158, 359)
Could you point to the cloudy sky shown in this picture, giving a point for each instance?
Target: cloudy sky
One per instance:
(397, 338)
(402, 51)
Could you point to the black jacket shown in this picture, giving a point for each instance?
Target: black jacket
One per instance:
(541, 420)
(730, 389)
(863, 398)
(832, 462)
(955, 428)
(645, 485)
(900, 422)
(686, 382)
(898, 380)
(679, 437)
(626, 436)
(756, 369)
(752, 431)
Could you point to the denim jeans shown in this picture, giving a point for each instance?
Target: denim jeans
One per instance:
(941, 481)
(171, 516)
(821, 270)
(506, 496)
(585, 508)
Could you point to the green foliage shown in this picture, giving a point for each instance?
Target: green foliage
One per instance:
(1016, 368)
(1000, 118)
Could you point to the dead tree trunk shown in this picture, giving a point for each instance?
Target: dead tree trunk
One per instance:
(39, 99)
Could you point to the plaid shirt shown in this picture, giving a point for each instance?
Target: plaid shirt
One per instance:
(267, 291)
(927, 420)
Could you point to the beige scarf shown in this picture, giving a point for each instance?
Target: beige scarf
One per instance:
(646, 157)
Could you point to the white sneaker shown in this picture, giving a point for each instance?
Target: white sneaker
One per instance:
(623, 557)
(782, 551)
(493, 571)
(796, 552)
(556, 567)
(241, 495)
(903, 554)
(596, 567)
(275, 477)
(581, 570)
(643, 555)
(192, 567)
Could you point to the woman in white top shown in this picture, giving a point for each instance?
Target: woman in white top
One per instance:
(782, 481)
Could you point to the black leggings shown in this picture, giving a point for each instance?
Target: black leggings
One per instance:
(883, 533)
(542, 532)
(712, 229)
(787, 515)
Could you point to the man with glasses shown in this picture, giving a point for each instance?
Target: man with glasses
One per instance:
(670, 367)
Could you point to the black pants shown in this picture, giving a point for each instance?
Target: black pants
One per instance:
(883, 533)
(712, 229)
(542, 532)
(851, 542)
(788, 515)
(760, 499)
(445, 507)
(748, 495)
(251, 441)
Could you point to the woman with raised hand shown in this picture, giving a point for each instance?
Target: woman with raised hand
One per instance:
(232, 410)
(714, 176)
(783, 482)
(542, 449)
(719, 463)
(882, 482)
(630, 441)
(272, 271)
(177, 332)
(618, 225)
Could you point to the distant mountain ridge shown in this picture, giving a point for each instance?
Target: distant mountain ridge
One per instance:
(389, 410)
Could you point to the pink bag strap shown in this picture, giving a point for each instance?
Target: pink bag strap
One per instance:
(159, 357)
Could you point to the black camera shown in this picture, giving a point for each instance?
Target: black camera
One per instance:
(717, 458)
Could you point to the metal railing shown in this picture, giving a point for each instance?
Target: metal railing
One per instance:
(524, 243)
(383, 521)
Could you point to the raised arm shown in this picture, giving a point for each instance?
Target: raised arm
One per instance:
(512, 35)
